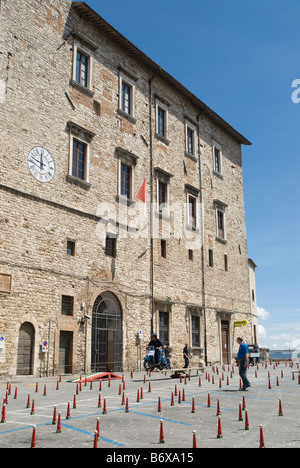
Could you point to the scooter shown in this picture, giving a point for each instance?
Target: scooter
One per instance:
(149, 360)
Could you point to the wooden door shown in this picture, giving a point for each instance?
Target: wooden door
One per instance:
(225, 342)
(25, 349)
(65, 352)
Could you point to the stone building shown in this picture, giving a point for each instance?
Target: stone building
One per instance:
(87, 123)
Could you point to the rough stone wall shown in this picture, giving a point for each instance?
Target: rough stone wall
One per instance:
(36, 219)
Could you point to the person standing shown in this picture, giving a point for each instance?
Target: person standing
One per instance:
(243, 360)
(186, 356)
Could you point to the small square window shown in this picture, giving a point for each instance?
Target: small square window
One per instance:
(71, 248)
(67, 306)
(111, 246)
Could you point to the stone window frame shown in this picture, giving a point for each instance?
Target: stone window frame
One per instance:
(164, 105)
(85, 137)
(220, 207)
(88, 49)
(190, 125)
(165, 178)
(192, 192)
(195, 311)
(218, 173)
(164, 307)
(130, 79)
(128, 159)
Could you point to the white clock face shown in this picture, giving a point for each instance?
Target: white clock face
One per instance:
(41, 164)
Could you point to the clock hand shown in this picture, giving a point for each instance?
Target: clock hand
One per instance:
(40, 163)
(35, 163)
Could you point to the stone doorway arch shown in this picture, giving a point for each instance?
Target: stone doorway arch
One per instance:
(107, 334)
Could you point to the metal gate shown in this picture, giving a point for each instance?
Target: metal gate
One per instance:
(25, 349)
(107, 334)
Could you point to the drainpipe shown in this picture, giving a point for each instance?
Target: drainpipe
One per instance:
(202, 247)
(151, 200)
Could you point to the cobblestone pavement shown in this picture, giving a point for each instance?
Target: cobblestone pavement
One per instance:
(140, 428)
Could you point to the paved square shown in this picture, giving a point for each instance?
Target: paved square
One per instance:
(140, 428)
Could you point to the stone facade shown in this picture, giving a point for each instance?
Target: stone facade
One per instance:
(188, 282)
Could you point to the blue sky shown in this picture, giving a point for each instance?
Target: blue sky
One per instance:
(240, 58)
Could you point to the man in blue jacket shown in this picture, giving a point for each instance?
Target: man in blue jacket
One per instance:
(243, 356)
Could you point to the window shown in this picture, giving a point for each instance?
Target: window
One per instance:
(127, 87)
(163, 179)
(163, 191)
(82, 63)
(162, 115)
(220, 224)
(226, 262)
(82, 73)
(111, 246)
(192, 212)
(217, 159)
(126, 98)
(163, 248)
(164, 327)
(195, 332)
(67, 306)
(79, 155)
(79, 159)
(71, 248)
(125, 181)
(161, 122)
(126, 170)
(191, 255)
(220, 208)
(190, 141)
(211, 257)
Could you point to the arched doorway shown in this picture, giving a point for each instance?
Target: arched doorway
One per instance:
(25, 349)
(107, 334)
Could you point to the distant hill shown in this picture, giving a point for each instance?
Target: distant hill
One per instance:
(283, 354)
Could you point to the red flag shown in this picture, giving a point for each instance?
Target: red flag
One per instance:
(142, 193)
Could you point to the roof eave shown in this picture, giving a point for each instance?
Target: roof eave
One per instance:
(86, 11)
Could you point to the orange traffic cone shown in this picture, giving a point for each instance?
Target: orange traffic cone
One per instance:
(162, 435)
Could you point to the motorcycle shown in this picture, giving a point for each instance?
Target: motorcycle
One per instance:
(149, 360)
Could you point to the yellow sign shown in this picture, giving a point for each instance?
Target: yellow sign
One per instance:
(242, 323)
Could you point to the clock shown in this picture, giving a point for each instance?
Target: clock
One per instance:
(41, 164)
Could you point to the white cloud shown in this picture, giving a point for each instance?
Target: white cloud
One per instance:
(262, 331)
(263, 314)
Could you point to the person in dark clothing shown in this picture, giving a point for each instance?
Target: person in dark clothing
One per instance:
(156, 343)
(186, 356)
(167, 356)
